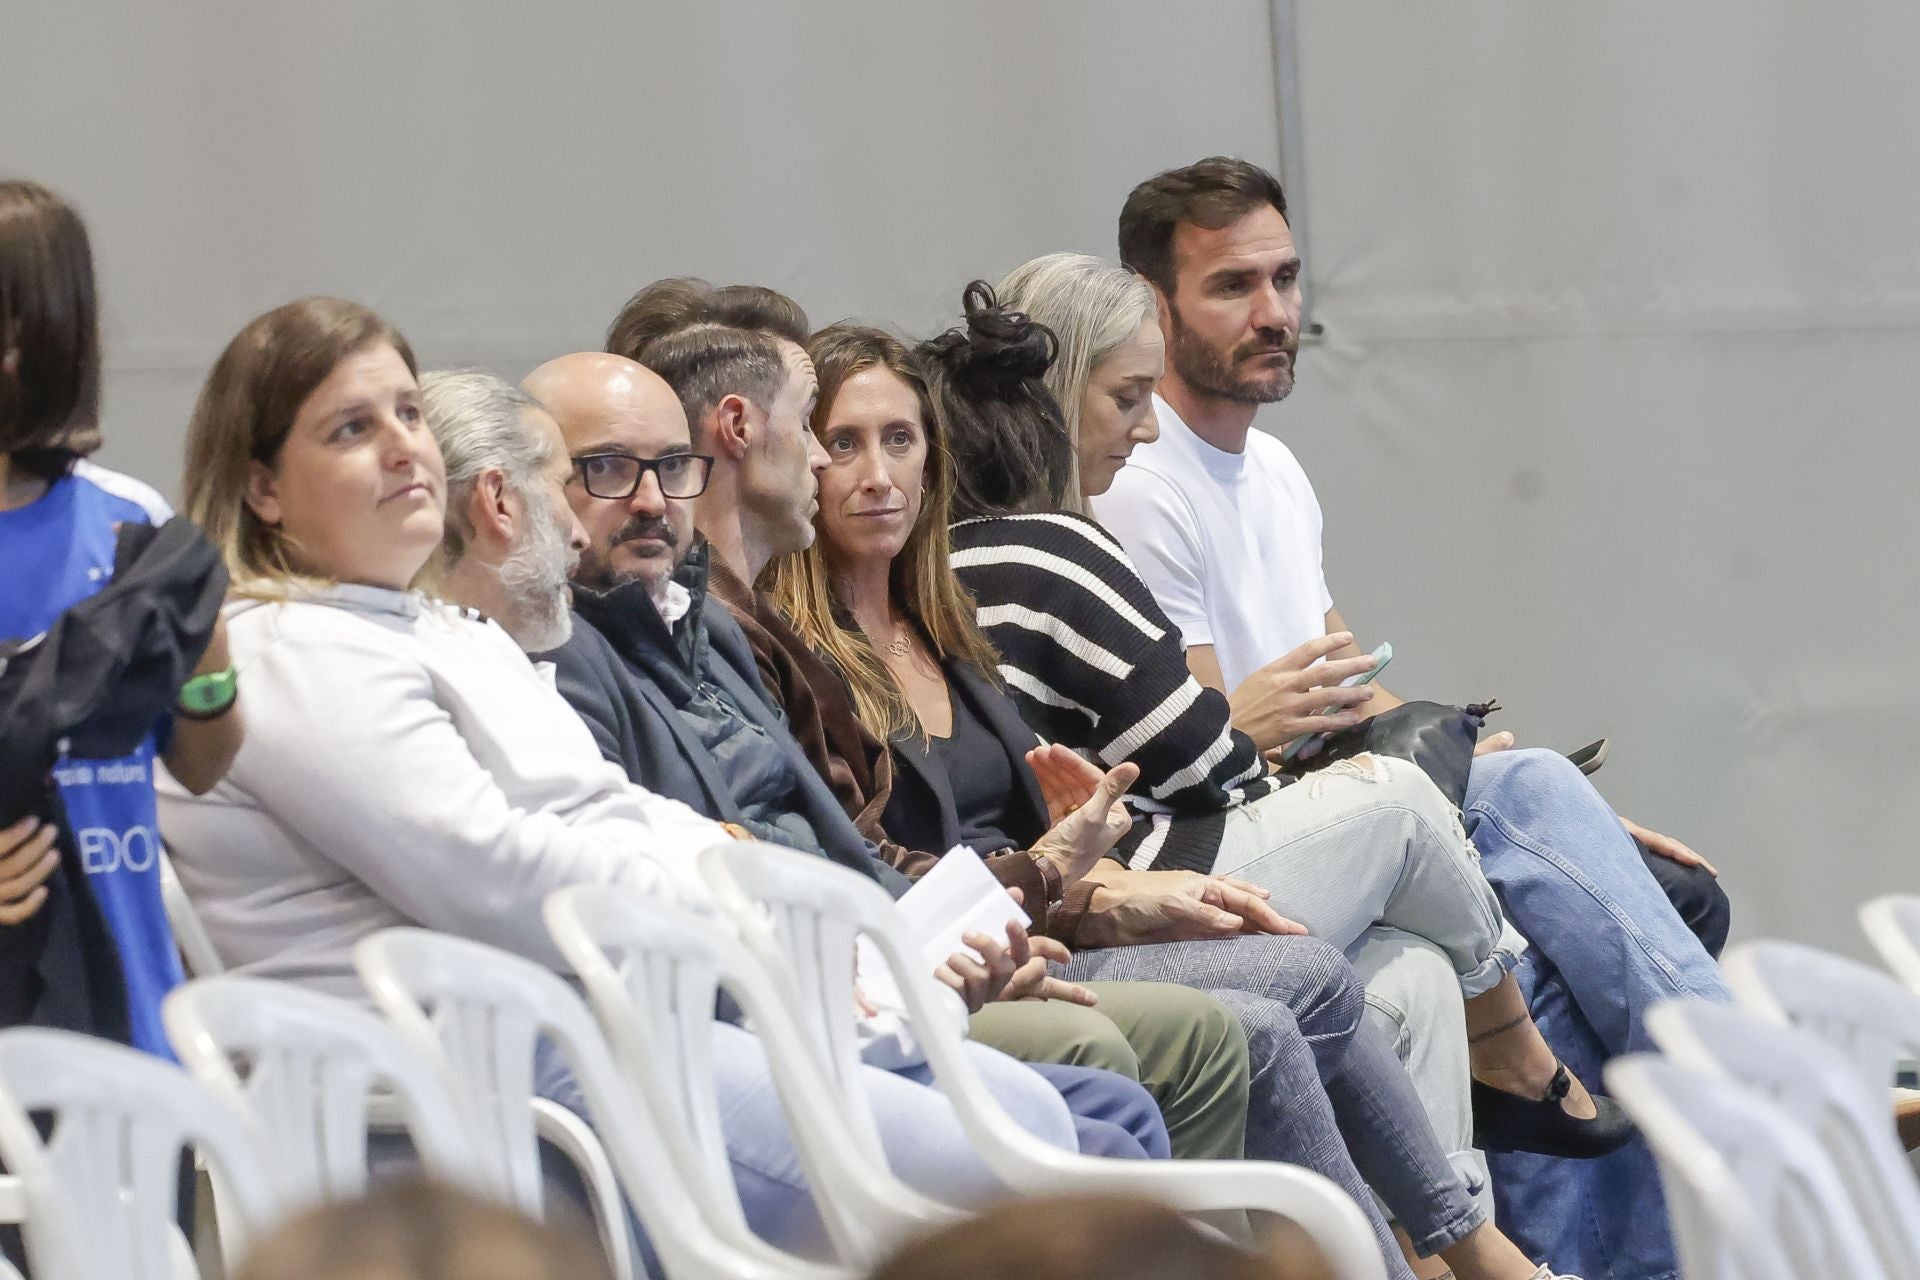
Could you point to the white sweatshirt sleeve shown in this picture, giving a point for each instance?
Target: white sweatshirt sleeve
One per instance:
(350, 749)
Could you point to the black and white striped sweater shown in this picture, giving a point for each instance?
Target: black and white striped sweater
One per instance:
(1092, 662)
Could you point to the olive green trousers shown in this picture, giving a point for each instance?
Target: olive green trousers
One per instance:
(1183, 1046)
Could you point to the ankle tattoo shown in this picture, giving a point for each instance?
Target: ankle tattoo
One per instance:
(1500, 1030)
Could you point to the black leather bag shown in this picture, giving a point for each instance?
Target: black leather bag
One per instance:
(1438, 738)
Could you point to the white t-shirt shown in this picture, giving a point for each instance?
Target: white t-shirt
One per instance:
(1229, 543)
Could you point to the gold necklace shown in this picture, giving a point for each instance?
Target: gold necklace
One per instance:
(898, 646)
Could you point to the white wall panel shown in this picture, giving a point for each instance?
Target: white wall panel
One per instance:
(499, 177)
(1616, 416)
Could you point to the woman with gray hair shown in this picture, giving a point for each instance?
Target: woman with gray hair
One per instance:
(1110, 355)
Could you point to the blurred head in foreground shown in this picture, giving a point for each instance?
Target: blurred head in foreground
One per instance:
(420, 1230)
(1095, 1238)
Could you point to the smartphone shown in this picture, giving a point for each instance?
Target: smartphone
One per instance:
(1589, 758)
(1381, 657)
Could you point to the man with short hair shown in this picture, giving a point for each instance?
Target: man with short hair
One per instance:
(856, 765)
(679, 302)
(1210, 501)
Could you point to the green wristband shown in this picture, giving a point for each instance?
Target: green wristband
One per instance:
(209, 696)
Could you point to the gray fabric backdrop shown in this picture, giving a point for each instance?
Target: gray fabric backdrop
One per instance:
(1614, 418)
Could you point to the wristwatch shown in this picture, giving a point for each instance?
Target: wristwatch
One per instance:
(1050, 880)
(209, 696)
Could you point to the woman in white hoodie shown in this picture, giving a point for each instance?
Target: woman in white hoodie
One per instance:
(411, 766)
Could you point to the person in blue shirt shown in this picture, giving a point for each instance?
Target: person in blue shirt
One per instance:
(60, 517)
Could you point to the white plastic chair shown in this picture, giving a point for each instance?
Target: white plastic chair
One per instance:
(304, 1068)
(98, 1190)
(189, 934)
(1864, 1013)
(1815, 1085)
(1750, 1193)
(479, 1014)
(801, 916)
(568, 1134)
(13, 1211)
(1892, 925)
(652, 974)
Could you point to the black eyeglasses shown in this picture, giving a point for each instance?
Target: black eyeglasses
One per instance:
(618, 475)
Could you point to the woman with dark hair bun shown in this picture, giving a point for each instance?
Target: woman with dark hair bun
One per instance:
(877, 595)
(1583, 899)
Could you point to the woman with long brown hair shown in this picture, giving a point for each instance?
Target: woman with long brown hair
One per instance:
(877, 594)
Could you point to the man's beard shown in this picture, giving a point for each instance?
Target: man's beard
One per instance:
(1204, 369)
(596, 571)
(533, 578)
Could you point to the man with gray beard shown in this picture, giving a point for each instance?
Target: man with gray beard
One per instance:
(512, 540)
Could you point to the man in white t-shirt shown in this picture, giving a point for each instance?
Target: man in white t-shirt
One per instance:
(1224, 526)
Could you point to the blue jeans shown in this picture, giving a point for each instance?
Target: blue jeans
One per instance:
(1112, 1115)
(1328, 1091)
(923, 1140)
(1606, 945)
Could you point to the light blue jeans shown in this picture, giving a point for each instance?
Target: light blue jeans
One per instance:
(1327, 1091)
(924, 1143)
(1606, 946)
(1369, 855)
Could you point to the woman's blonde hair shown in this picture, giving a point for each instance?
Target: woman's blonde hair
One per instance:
(1094, 308)
(244, 413)
(923, 583)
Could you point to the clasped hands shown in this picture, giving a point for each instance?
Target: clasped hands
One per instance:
(1143, 906)
(1086, 806)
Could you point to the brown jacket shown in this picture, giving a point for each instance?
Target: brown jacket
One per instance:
(856, 764)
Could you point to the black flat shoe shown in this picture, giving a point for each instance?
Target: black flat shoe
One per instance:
(1505, 1121)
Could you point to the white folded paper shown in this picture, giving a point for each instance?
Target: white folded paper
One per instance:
(959, 896)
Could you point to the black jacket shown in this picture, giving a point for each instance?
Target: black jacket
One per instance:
(96, 682)
(921, 813)
(627, 675)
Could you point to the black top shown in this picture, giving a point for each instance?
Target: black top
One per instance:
(921, 810)
(980, 775)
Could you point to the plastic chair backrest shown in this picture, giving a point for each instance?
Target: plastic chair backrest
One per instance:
(479, 1033)
(304, 1068)
(100, 1188)
(1815, 1085)
(1892, 925)
(800, 915)
(189, 933)
(1865, 1014)
(787, 918)
(1750, 1193)
(652, 973)
(479, 1013)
